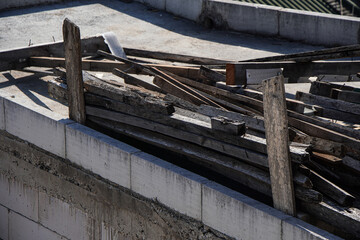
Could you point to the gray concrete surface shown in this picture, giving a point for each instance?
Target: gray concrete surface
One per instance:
(136, 26)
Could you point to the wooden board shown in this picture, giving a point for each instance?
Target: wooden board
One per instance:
(324, 88)
(72, 48)
(277, 140)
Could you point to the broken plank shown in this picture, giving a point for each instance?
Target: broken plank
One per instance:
(277, 140)
(58, 91)
(72, 49)
(326, 158)
(351, 163)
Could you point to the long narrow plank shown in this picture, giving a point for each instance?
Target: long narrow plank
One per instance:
(173, 57)
(72, 47)
(18, 58)
(108, 66)
(347, 96)
(277, 140)
(323, 54)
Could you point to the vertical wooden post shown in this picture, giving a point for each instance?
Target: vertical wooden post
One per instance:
(277, 140)
(72, 48)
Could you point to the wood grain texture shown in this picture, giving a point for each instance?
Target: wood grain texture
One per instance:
(72, 47)
(277, 140)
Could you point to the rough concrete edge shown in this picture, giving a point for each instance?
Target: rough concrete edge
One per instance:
(314, 232)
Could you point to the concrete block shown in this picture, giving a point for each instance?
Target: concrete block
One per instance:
(173, 186)
(238, 215)
(38, 126)
(158, 4)
(99, 153)
(2, 114)
(243, 17)
(108, 233)
(21, 228)
(19, 197)
(60, 217)
(318, 28)
(293, 228)
(4, 223)
(189, 9)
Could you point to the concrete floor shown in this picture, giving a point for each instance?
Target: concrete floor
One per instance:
(136, 26)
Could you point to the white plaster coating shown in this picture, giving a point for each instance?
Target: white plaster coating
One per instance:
(99, 153)
(4, 223)
(238, 215)
(60, 217)
(45, 130)
(294, 228)
(2, 114)
(173, 186)
(188, 9)
(108, 233)
(21, 228)
(19, 198)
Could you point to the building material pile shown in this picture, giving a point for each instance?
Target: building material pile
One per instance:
(189, 109)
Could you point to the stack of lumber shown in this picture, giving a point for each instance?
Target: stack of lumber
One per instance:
(221, 127)
(193, 108)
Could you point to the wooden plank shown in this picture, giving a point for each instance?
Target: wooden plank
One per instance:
(173, 57)
(277, 140)
(128, 79)
(108, 66)
(226, 125)
(326, 158)
(18, 57)
(58, 91)
(72, 48)
(329, 103)
(331, 190)
(292, 70)
(323, 54)
(324, 88)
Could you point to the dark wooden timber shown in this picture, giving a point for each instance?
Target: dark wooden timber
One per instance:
(324, 88)
(72, 48)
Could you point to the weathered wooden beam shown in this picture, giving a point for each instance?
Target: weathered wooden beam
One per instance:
(72, 48)
(329, 103)
(236, 73)
(173, 57)
(324, 88)
(347, 96)
(331, 190)
(58, 91)
(277, 140)
(351, 163)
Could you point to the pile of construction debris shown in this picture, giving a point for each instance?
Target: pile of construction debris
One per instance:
(201, 108)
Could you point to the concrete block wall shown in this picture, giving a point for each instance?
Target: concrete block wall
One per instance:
(194, 196)
(305, 26)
